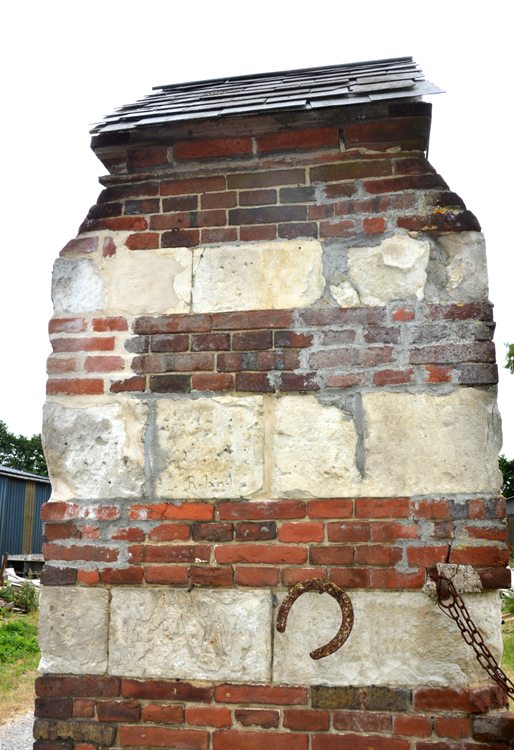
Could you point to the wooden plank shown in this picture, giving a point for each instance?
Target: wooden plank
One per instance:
(28, 517)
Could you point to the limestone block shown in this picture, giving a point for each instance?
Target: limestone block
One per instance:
(150, 281)
(95, 452)
(420, 444)
(267, 276)
(209, 447)
(314, 449)
(394, 269)
(398, 638)
(344, 294)
(77, 286)
(197, 635)
(467, 265)
(72, 630)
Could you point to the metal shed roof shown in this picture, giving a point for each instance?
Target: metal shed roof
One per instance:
(8, 471)
(293, 90)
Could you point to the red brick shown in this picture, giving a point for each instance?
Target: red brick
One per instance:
(266, 215)
(374, 226)
(257, 197)
(78, 687)
(439, 374)
(306, 720)
(387, 578)
(146, 241)
(213, 532)
(362, 721)
(301, 532)
(213, 382)
(187, 511)
(396, 202)
(106, 513)
(252, 320)
(286, 339)
(256, 233)
(403, 315)
(104, 364)
(256, 577)
(289, 381)
(158, 714)
(332, 358)
(252, 340)
(413, 165)
(410, 182)
(341, 190)
(121, 224)
(375, 355)
(471, 700)
(480, 352)
(426, 556)
(471, 310)
(170, 342)
(257, 717)
(89, 577)
(147, 736)
(80, 246)
(93, 344)
(390, 531)
(218, 235)
(253, 382)
(169, 532)
(314, 213)
(480, 556)
(261, 553)
(61, 511)
(337, 229)
(352, 170)
(83, 708)
(495, 578)
(357, 742)
(138, 207)
(292, 576)
(126, 576)
(203, 716)
(454, 727)
(274, 694)
(90, 532)
(218, 200)
(166, 553)
(258, 510)
(393, 377)
(211, 576)
(171, 221)
(215, 218)
(270, 178)
(378, 507)
(230, 739)
(210, 148)
(255, 531)
(346, 208)
(67, 325)
(351, 531)
(166, 575)
(117, 711)
(166, 690)
(292, 231)
(343, 316)
(66, 530)
(494, 534)
(193, 185)
(346, 381)
(315, 138)
(377, 554)
(101, 325)
(180, 238)
(87, 552)
(337, 555)
(132, 534)
(53, 708)
(407, 132)
(137, 383)
(146, 157)
(431, 509)
(412, 726)
(330, 508)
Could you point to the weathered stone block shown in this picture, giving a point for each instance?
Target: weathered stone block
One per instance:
(198, 635)
(95, 452)
(467, 266)
(75, 730)
(267, 276)
(77, 286)
(73, 631)
(150, 281)
(209, 447)
(399, 638)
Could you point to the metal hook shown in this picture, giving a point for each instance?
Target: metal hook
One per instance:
(321, 585)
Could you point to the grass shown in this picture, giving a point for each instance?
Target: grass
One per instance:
(19, 658)
(508, 653)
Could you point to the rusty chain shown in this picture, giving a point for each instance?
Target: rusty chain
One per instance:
(452, 604)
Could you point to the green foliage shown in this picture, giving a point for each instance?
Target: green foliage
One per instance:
(507, 469)
(18, 639)
(20, 452)
(508, 603)
(25, 598)
(509, 358)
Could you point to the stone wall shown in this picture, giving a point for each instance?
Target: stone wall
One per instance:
(272, 361)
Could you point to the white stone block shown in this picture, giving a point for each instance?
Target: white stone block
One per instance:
(209, 447)
(265, 276)
(467, 266)
(72, 631)
(394, 269)
(420, 444)
(146, 282)
(197, 635)
(344, 294)
(398, 638)
(95, 452)
(77, 286)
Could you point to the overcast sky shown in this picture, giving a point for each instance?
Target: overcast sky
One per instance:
(68, 64)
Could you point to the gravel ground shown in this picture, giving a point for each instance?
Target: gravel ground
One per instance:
(18, 734)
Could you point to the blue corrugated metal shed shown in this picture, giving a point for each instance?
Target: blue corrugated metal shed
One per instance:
(21, 496)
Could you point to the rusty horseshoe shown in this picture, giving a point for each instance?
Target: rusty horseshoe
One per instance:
(321, 585)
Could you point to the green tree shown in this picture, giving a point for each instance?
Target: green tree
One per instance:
(507, 469)
(509, 358)
(20, 452)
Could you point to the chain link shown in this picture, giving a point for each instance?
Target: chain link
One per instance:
(452, 604)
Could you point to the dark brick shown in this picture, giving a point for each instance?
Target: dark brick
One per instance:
(39, 745)
(413, 165)
(495, 578)
(53, 708)
(148, 206)
(256, 531)
(344, 316)
(258, 717)
(410, 133)
(180, 238)
(180, 203)
(266, 179)
(446, 200)
(408, 182)
(257, 197)
(51, 576)
(211, 576)
(213, 532)
(290, 339)
(210, 342)
(382, 335)
(128, 191)
(305, 194)
(471, 310)
(387, 699)
(170, 384)
(170, 343)
(301, 229)
(352, 170)
(81, 246)
(117, 711)
(165, 690)
(290, 381)
(338, 338)
(137, 344)
(267, 215)
(453, 353)
(254, 382)
(440, 222)
(252, 340)
(343, 190)
(105, 211)
(477, 374)
(74, 730)
(493, 728)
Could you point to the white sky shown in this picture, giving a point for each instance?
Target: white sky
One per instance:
(68, 64)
